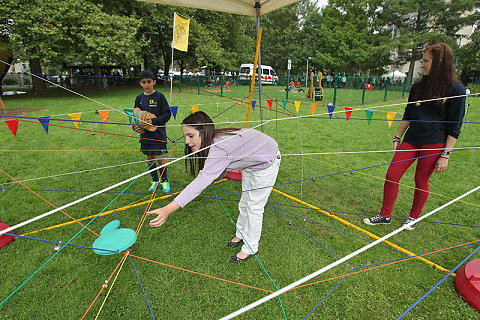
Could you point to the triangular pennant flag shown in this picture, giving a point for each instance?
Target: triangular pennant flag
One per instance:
(369, 114)
(330, 108)
(104, 115)
(44, 121)
(238, 102)
(13, 126)
(284, 102)
(390, 118)
(129, 113)
(253, 104)
(194, 107)
(348, 112)
(270, 101)
(297, 105)
(174, 110)
(75, 116)
(313, 106)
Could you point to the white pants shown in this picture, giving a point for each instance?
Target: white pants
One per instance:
(252, 203)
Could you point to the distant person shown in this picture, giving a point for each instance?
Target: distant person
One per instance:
(153, 143)
(433, 129)
(223, 150)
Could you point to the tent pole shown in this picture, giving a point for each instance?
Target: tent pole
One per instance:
(259, 67)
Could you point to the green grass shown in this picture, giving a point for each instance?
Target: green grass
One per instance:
(194, 238)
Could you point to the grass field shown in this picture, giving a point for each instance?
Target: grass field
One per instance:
(67, 164)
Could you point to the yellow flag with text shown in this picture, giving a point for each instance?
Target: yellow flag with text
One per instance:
(180, 33)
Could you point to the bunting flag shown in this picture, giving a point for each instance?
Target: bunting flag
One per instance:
(75, 116)
(194, 107)
(174, 110)
(297, 105)
(348, 112)
(44, 121)
(129, 113)
(369, 114)
(313, 106)
(104, 115)
(253, 104)
(390, 118)
(284, 102)
(270, 101)
(330, 108)
(1, 104)
(181, 27)
(12, 125)
(238, 102)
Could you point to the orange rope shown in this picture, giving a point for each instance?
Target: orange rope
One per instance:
(50, 203)
(201, 274)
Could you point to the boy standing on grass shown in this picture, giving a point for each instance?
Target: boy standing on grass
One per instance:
(153, 143)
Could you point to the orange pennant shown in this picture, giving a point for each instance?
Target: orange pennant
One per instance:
(313, 106)
(348, 112)
(13, 126)
(75, 116)
(390, 118)
(104, 115)
(1, 104)
(297, 105)
(194, 107)
(238, 102)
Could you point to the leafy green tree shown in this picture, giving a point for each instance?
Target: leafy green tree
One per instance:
(469, 59)
(415, 24)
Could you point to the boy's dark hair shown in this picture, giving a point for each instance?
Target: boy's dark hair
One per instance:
(146, 74)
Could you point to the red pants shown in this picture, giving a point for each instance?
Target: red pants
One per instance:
(426, 160)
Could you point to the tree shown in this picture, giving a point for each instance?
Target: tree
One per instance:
(419, 23)
(469, 59)
(55, 32)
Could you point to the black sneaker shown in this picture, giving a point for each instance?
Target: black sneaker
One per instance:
(410, 226)
(378, 219)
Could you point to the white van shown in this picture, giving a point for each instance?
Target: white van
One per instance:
(246, 71)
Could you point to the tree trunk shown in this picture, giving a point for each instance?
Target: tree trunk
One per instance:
(39, 85)
(97, 77)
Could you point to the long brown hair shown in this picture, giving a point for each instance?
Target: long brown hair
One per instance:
(441, 77)
(201, 122)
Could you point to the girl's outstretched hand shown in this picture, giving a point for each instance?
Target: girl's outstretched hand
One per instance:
(162, 214)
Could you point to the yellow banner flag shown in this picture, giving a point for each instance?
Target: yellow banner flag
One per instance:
(104, 115)
(313, 106)
(75, 116)
(390, 118)
(297, 105)
(194, 107)
(181, 27)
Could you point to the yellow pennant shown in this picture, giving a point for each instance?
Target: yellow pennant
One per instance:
(194, 107)
(297, 105)
(104, 115)
(75, 116)
(180, 32)
(313, 106)
(390, 118)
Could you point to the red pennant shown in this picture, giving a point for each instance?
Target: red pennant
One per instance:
(270, 101)
(348, 112)
(13, 126)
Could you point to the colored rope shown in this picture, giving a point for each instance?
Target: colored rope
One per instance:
(141, 285)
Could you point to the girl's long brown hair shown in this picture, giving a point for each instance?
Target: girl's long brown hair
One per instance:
(441, 77)
(201, 121)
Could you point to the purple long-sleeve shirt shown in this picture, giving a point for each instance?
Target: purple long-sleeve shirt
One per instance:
(250, 149)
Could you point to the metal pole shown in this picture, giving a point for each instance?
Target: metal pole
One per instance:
(101, 134)
(173, 39)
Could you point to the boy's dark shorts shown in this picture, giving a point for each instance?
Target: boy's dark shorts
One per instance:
(151, 149)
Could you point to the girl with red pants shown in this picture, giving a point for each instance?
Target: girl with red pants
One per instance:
(433, 117)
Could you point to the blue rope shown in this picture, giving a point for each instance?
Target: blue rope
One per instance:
(436, 285)
(143, 290)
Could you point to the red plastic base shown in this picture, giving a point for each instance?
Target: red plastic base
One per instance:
(5, 240)
(467, 283)
(235, 175)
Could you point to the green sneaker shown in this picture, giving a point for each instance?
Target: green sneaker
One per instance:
(154, 185)
(165, 186)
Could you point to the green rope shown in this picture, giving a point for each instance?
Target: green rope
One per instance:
(283, 310)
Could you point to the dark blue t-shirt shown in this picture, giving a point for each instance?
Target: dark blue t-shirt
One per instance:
(157, 104)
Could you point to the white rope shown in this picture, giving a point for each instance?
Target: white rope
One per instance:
(336, 263)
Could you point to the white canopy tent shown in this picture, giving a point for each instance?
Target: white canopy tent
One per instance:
(255, 8)
(396, 74)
